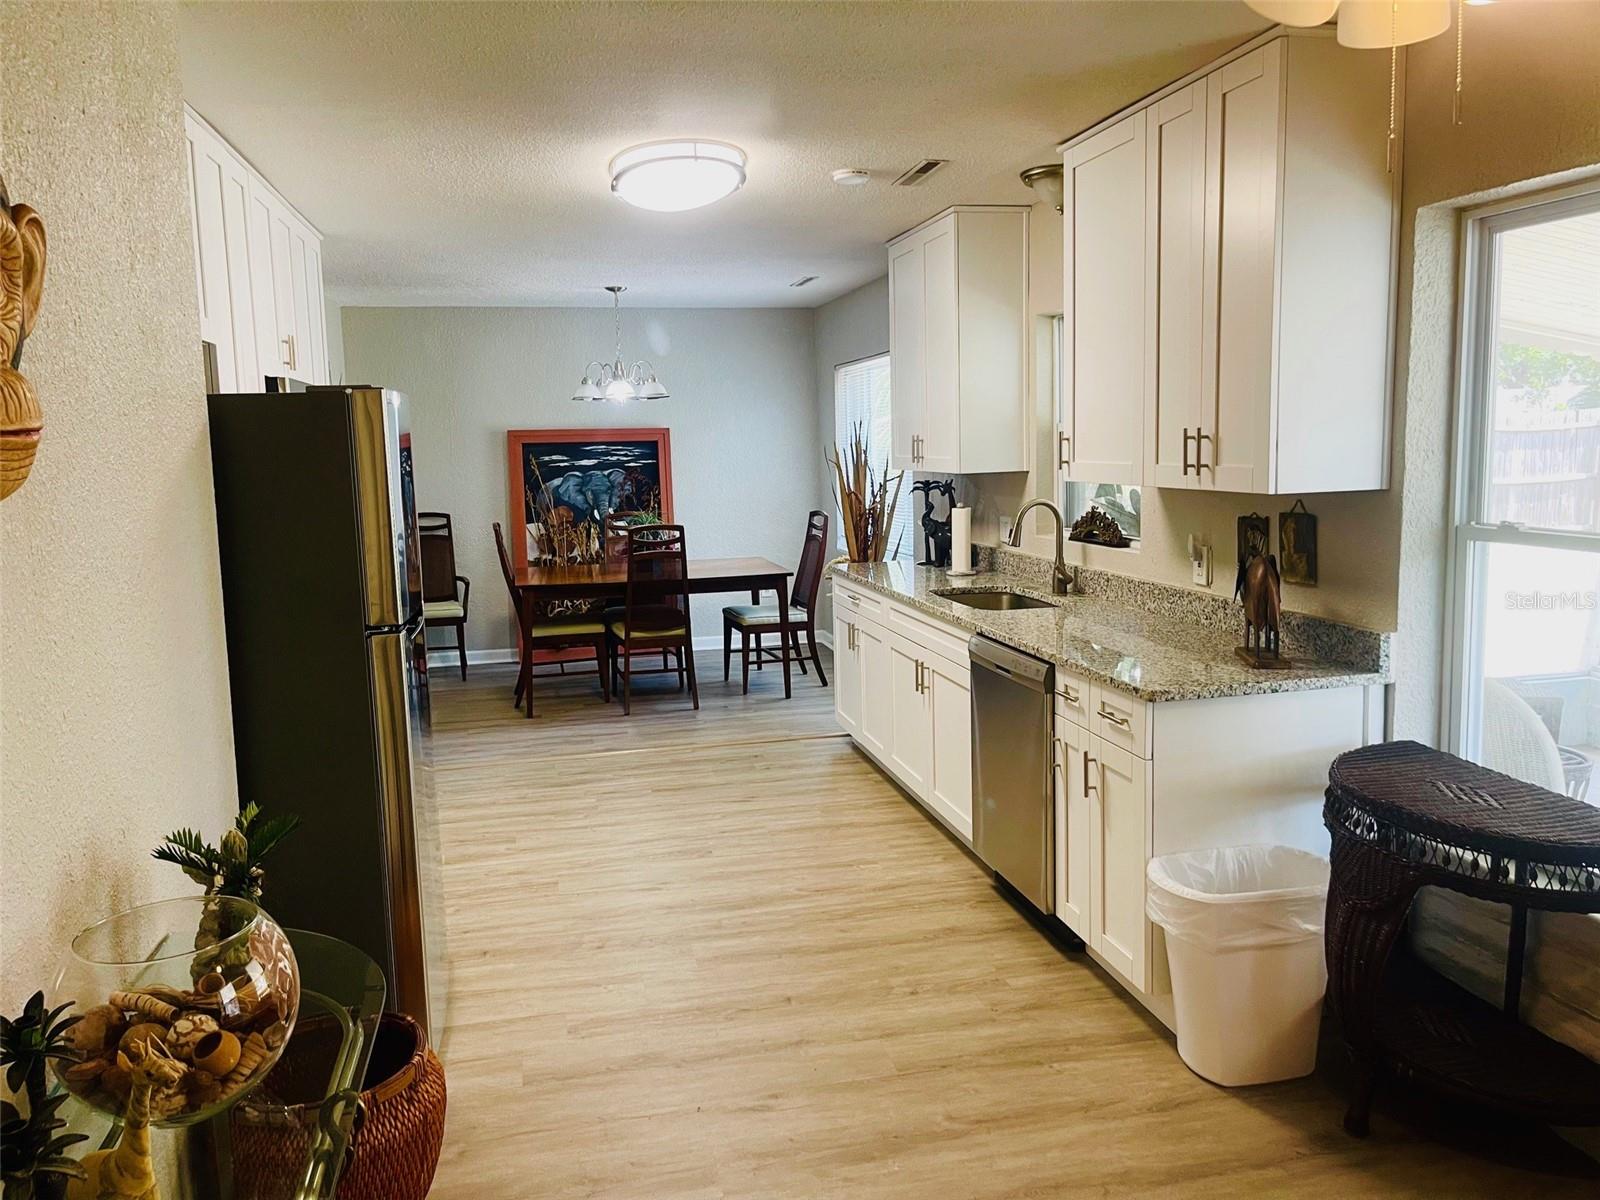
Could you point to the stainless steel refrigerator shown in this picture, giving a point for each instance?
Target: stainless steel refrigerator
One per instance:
(327, 663)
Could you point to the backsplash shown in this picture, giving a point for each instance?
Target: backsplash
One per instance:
(1317, 637)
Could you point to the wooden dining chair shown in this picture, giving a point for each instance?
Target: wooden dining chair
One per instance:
(655, 609)
(444, 593)
(547, 635)
(755, 621)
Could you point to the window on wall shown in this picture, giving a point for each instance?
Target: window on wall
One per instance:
(1120, 501)
(861, 398)
(1525, 698)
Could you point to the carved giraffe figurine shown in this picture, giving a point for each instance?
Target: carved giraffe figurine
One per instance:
(126, 1172)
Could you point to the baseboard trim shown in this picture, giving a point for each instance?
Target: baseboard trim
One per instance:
(475, 658)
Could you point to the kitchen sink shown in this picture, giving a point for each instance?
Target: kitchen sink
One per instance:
(998, 601)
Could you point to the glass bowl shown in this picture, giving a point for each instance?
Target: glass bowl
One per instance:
(195, 996)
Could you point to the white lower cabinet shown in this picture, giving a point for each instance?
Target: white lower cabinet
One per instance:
(1119, 849)
(1132, 779)
(947, 689)
(911, 747)
(1135, 779)
(907, 705)
(1072, 798)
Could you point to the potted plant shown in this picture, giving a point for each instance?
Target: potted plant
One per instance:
(33, 1164)
(866, 499)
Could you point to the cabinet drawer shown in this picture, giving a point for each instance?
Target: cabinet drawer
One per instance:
(857, 600)
(1073, 698)
(1121, 719)
(933, 636)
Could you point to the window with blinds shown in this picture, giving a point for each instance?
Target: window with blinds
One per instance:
(861, 397)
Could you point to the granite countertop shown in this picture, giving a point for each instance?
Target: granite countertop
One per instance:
(1153, 656)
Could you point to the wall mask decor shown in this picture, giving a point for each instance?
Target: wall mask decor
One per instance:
(1297, 545)
(22, 258)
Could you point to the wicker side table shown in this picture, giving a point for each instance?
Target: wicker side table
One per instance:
(1401, 817)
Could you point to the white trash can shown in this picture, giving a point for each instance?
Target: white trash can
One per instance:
(1244, 945)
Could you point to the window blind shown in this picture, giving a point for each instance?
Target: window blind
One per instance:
(861, 397)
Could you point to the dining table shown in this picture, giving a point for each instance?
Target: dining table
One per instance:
(609, 579)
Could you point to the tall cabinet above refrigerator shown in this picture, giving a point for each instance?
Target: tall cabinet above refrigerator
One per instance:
(327, 664)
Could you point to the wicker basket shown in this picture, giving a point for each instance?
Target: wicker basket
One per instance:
(398, 1129)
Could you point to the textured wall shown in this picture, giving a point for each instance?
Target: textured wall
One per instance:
(741, 417)
(1531, 94)
(114, 713)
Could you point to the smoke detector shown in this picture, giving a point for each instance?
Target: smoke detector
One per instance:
(851, 176)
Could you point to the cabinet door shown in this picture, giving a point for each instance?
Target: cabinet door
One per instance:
(877, 707)
(258, 230)
(319, 313)
(948, 693)
(907, 349)
(241, 294)
(846, 678)
(1175, 191)
(280, 248)
(1103, 303)
(911, 744)
(207, 188)
(941, 401)
(1072, 837)
(1119, 838)
(1244, 104)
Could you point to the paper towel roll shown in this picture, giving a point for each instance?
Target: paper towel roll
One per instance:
(961, 540)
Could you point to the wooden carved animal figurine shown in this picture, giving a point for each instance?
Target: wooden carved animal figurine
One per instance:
(126, 1172)
(22, 258)
(1259, 586)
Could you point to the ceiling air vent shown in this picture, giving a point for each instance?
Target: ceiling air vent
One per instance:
(803, 280)
(920, 172)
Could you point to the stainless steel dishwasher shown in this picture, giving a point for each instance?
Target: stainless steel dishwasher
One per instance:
(1011, 802)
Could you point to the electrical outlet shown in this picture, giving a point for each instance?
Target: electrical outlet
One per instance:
(1199, 562)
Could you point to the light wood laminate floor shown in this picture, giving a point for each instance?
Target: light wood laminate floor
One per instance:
(718, 954)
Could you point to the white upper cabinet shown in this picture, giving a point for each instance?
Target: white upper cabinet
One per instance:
(958, 325)
(1103, 310)
(1174, 265)
(1266, 215)
(258, 269)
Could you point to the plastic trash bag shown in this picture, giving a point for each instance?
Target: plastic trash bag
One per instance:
(1238, 897)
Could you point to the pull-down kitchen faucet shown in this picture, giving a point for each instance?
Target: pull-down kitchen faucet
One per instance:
(1064, 582)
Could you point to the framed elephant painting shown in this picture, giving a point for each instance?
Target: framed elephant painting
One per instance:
(564, 483)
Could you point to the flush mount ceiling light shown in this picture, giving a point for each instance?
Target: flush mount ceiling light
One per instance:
(1047, 181)
(613, 382)
(675, 176)
(851, 176)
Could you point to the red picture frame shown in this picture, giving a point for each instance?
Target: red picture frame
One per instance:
(592, 442)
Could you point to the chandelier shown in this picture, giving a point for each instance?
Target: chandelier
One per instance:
(613, 382)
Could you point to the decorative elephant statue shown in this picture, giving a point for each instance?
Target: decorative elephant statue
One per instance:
(589, 494)
(22, 259)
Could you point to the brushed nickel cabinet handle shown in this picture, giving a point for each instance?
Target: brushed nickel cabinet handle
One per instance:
(1186, 436)
(1064, 448)
(1087, 786)
(1201, 435)
(1108, 715)
(1072, 696)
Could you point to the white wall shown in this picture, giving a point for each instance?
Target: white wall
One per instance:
(114, 710)
(335, 320)
(741, 416)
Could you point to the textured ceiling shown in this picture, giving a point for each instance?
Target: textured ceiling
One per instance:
(456, 153)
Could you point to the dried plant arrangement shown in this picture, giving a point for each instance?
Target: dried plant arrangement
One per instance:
(866, 500)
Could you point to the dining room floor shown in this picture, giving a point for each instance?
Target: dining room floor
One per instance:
(717, 954)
